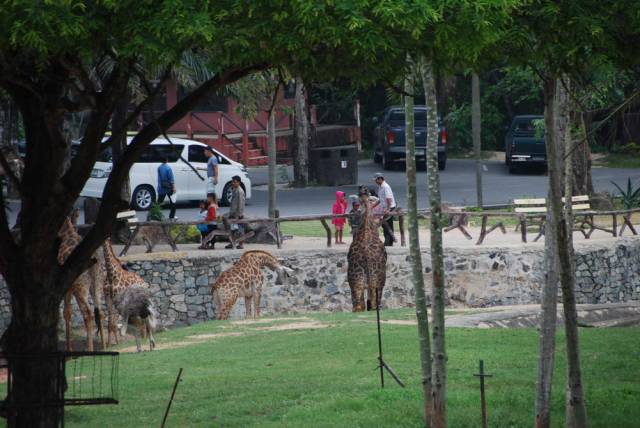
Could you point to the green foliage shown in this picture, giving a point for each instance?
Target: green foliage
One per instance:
(630, 196)
(155, 213)
(629, 149)
(325, 377)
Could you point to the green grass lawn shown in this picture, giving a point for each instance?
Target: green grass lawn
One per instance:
(326, 377)
(619, 160)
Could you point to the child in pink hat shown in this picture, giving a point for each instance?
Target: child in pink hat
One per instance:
(339, 207)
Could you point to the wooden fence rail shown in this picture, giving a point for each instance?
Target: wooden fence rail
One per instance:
(457, 220)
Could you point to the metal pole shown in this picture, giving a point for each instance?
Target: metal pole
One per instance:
(380, 360)
(173, 393)
(483, 403)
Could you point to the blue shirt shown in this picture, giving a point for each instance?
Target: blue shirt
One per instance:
(213, 161)
(164, 174)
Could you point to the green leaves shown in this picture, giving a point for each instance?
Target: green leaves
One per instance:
(630, 196)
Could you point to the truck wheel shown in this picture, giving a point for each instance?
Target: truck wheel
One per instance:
(387, 162)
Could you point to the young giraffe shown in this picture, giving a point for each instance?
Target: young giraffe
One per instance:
(367, 259)
(244, 279)
(118, 279)
(89, 281)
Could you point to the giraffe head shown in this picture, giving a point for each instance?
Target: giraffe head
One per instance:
(283, 273)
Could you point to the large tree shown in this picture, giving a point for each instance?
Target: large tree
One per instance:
(49, 54)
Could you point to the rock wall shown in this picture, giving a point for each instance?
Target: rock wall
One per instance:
(607, 271)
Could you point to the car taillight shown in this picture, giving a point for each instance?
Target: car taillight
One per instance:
(443, 136)
(391, 137)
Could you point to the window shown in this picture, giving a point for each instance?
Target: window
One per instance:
(398, 116)
(196, 154)
(156, 153)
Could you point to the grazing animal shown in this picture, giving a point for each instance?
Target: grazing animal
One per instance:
(367, 259)
(118, 280)
(245, 279)
(135, 305)
(90, 281)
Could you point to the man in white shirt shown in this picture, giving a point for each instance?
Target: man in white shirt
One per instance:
(388, 204)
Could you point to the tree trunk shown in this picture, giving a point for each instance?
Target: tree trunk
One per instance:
(414, 249)
(439, 358)
(301, 131)
(117, 122)
(271, 142)
(475, 129)
(30, 339)
(582, 182)
(575, 406)
(549, 293)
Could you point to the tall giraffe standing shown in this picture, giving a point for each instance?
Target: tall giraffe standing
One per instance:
(367, 259)
(89, 281)
(118, 280)
(244, 279)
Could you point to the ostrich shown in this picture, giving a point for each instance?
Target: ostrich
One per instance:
(136, 307)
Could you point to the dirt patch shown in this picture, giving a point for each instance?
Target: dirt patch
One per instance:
(161, 346)
(266, 320)
(208, 336)
(399, 322)
(295, 326)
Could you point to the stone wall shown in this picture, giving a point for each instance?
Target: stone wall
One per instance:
(607, 271)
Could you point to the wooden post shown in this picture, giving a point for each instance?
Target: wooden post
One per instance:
(614, 225)
(328, 230)
(401, 225)
(523, 228)
(483, 230)
(483, 402)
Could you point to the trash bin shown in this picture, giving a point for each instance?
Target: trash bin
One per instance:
(334, 166)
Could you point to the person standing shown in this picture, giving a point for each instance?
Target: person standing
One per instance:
(212, 170)
(236, 209)
(339, 207)
(166, 186)
(388, 205)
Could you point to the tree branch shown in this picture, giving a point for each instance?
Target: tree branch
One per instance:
(111, 195)
(9, 172)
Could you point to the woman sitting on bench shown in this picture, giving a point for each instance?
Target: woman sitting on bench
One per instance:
(209, 216)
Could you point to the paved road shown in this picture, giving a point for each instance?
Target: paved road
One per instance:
(457, 183)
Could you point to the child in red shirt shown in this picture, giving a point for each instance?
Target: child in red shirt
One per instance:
(339, 207)
(210, 217)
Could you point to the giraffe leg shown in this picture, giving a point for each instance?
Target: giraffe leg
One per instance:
(357, 285)
(256, 301)
(111, 323)
(96, 296)
(81, 294)
(67, 318)
(247, 307)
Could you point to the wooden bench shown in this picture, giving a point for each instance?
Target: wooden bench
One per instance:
(580, 207)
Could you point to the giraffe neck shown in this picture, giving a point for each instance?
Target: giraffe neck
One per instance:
(70, 240)
(111, 262)
(263, 259)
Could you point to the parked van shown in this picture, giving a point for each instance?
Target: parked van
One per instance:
(143, 176)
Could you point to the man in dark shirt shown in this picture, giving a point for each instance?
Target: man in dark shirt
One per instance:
(166, 186)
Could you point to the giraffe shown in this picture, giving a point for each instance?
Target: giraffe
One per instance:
(89, 281)
(118, 280)
(367, 259)
(244, 279)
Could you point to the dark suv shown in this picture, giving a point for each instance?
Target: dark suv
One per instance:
(524, 146)
(389, 138)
